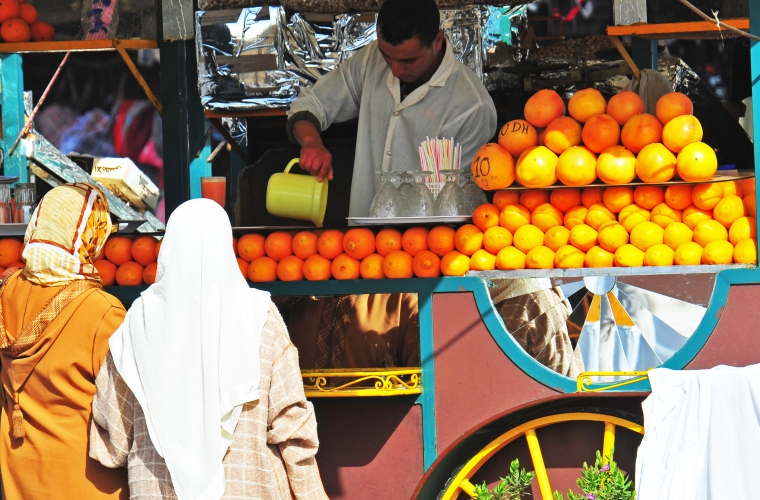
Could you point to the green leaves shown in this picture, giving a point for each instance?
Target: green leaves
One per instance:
(511, 487)
(602, 482)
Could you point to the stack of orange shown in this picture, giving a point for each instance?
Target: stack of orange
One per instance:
(685, 224)
(614, 141)
(19, 23)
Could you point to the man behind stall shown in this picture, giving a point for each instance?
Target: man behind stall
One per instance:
(404, 87)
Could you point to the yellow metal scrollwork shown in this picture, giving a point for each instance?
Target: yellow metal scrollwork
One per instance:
(585, 380)
(358, 383)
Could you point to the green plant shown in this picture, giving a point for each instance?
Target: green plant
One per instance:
(603, 481)
(511, 487)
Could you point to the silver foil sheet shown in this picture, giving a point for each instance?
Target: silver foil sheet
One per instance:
(463, 29)
(503, 32)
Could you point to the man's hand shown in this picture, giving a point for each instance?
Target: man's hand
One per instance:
(315, 158)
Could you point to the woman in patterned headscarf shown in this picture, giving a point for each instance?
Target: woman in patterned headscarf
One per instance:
(55, 321)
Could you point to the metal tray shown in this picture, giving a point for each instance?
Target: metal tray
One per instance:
(635, 183)
(13, 229)
(456, 219)
(5, 179)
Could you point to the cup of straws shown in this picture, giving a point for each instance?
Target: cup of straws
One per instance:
(443, 159)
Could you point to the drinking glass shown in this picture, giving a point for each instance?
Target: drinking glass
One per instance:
(450, 201)
(473, 195)
(420, 201)
(23, 201)
(5, 204)
(387, 201)
(214, 188)
(406, 183)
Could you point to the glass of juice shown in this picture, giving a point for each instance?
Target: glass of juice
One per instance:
(214, 188)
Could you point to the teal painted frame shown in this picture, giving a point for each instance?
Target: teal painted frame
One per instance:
(12, 102)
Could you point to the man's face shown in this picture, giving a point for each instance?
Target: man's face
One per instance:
(410, 61)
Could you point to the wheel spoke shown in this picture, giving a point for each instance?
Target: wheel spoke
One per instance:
(609, 441)
(538, 464)
(468, 488)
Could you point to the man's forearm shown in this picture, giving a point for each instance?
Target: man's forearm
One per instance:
(306, 134)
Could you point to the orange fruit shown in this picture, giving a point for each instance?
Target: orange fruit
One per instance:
(510, 258)
(316, 268)
(150, 271)
(468, 239)
(158, 248)
(718, 252)
(556, 237)
(745, 252)
(388, 240)
(688, 254)
(278, 245)
(640, 131)
(345, 267)
(576, 166)
(541, 136)
(330, 243)
(709, 230)
(600, 132)
(633, 215)
(617, 198)
(693, 215)
(546, 216)
(592, 196)
(543, 107)
(729, 209)
(503, 198)
(629, 256)
(562, 133)
(676, 234)
(304, 244)
(42, 32)
(680, 132)
(29, 14)
(659, 255)
(495, 238)
(678, 196)
(650, 196)
(414, 240)
(583, 237)
(290, 268)
(597, 215)
(516, 136)
(11, 250)
(565, 199)
(540, 258)
(750, 204)
(746, 186)
(655, 163)
(485, 216)
(359, 242)
(398, 264)
(440, 240)
(118, 250)
(9, 9)
(130, 274)
(262, 269)
(144, 250)
(493, 167)
(743, 228)
(107, 271)
(371, 267)
(531, 198)
(234, 246)
(672, 105)
(697, 162)
(599, 257)
(455, 264)
(527, 238)
(625, 105)
(536, 167)
(732, 187)
(647, 234)
(251, 246)
(663, 215)
(568, 257)
(17, 30)
(17, 265)
(616, 165)
(482, 260)
(586, 103)
(426, 264)
(612, 236)
(574, 216)
(514, 216)
(706, 196)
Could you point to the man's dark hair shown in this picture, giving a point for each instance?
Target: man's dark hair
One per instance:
(401, 20)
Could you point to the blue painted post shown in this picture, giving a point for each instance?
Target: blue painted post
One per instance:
(200, 167)
(754, 47)
(12, 102)
(427, 399)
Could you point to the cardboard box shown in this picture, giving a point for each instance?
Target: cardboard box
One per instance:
(124, 179)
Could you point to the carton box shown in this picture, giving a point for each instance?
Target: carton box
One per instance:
(123, 178)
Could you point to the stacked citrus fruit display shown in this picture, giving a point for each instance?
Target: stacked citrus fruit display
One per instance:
(19, 23)
(613, 141)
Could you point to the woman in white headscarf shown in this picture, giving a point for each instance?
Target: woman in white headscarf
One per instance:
(201, 396)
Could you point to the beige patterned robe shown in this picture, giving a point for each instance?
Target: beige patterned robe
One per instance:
(274, 443)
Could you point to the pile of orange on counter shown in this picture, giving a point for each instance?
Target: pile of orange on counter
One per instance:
(19, 23)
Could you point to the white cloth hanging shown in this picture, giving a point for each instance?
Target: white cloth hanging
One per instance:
(702, 435)
(189, 348)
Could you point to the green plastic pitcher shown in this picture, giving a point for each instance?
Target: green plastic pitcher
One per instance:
(297, 196)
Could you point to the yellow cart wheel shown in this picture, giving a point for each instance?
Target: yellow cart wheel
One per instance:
(461, 481)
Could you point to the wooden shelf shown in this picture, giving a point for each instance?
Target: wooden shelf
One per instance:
(684, 31)
(76, 46)
(250, 113)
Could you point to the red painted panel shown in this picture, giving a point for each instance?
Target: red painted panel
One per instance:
(474, 379)
(369, 450)
(735, 340)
